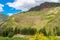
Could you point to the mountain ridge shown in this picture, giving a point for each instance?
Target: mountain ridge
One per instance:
(44, 6)
(2, 18)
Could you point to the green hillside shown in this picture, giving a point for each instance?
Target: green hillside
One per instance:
(46, 20)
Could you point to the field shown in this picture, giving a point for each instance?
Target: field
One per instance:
(6, 38)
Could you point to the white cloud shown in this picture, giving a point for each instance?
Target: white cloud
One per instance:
(54, 0)
(9, 14)
(27, 4)
(1, 9)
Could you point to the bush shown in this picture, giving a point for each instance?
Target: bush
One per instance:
(7, 31)
(43, 31)
(54, 31)
(57, 31)
(17, 30)
(38, 36)
(28, 31)
(11, 34)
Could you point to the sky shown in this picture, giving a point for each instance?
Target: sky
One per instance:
(10, 7)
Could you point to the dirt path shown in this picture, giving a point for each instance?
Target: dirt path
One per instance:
(22, 36)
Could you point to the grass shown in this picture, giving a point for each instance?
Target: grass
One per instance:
(6, 38)
(38, 37)
(58, 38)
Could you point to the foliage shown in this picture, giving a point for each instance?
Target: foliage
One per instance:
(42, 30)
(10, 32)
(7, 32)
(28, 31)
(38, 37)
(42, 37)
(17, 30)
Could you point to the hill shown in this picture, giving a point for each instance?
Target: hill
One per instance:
(3, 18)
(48, 18)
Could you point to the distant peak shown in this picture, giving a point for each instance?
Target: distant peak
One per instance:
(45, 5)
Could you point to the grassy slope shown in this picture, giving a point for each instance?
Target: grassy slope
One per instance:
(36, 19)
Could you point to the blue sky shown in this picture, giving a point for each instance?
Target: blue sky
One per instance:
(6, 9)
(9, 7)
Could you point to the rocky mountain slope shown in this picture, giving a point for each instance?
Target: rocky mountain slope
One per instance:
(44, 6)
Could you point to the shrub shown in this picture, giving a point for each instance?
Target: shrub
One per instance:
(11, 34)
(7, 31)
(28, 31)
(43, 31)
(17, 30)
(57, 31)
(38, 37)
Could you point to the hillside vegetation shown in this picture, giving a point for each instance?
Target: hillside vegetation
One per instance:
(46, 21)
(47, 18)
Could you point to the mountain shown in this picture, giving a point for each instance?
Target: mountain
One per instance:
(3, 18)
(44, 6)
(48, 18)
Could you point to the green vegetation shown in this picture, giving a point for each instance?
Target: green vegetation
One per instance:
(42, 37)
(28, 31)
(6, 38)
(32, 38)
(46, 21)
(10, 32)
